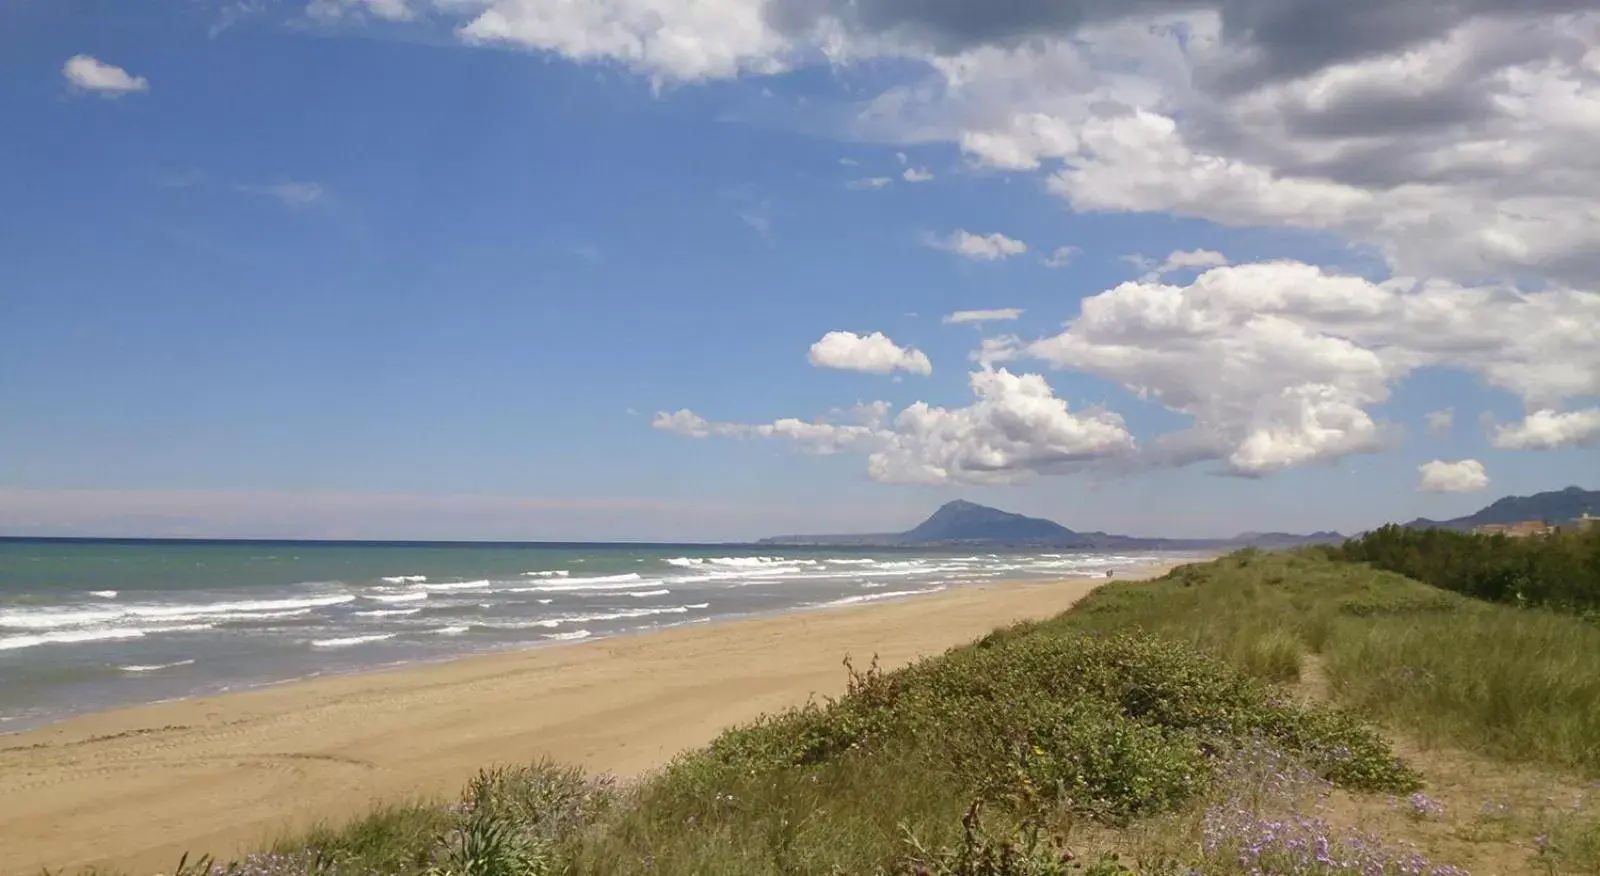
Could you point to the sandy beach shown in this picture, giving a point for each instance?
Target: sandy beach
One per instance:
(133, 788)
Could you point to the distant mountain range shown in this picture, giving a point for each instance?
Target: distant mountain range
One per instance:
(1556, 506)
(968, 523)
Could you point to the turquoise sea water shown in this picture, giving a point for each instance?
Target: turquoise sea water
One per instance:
(88, 625)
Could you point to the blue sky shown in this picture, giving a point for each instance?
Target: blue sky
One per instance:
(354, 269)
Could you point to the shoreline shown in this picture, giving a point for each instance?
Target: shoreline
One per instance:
(14, 725)
(133, 787)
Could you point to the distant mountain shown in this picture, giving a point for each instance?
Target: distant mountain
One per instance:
(1285, 539)
(968, 523)
(1556, 506)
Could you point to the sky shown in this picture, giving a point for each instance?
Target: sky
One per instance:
(720, 269)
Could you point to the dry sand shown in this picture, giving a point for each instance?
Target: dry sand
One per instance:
(133, 788)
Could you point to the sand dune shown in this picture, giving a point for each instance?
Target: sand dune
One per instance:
(133, 788)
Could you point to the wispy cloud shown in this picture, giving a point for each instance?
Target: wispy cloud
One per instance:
(388, 10)
(874, 182)
(916, 174)
(1177, 260)
(981, 247)
(290, 194)
(1062, 257)
(1000, 314)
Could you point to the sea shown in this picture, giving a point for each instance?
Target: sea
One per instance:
(89, 625)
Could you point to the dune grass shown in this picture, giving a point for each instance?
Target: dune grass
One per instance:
(1516, 684)
(1222, 720)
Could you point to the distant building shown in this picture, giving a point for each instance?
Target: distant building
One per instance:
(1585, 522)
(1515, 530)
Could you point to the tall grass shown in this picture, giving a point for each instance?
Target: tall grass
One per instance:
(1522, 684)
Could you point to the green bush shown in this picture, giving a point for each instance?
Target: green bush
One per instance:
(1561, 570)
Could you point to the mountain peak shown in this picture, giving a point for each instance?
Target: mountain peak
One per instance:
(1556, 506)
(961, 520)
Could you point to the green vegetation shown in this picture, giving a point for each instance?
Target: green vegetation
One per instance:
(1515, 685)
(1560, 571)
(1215, 721)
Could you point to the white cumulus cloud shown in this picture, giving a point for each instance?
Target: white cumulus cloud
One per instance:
(1278, 364)
(1455, 142)
(1441, 421)
(91, 74)
(873, 354)
(1275, 364)
(916, 174)
(980, 247)
(1548, 430)
(1015, 430)
(1465, 476)
(670, 40)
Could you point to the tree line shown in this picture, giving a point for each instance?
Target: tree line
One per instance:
(1560, 571)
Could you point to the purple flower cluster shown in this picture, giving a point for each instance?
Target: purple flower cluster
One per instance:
(1301, 844)
(1269, 772)
(1262, 778)
(1423, 806)
(300, 863)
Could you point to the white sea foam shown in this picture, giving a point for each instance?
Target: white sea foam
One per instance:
(93, 634)
(562, 620)
(480, 584)
(104, 594)
(736, 562)
(404, 596)
(157, 667)
(55, 619)
(698, 605)
(568, 637)
(874, 597)
(627, 613)
(764, 573)
(252, 617)
(546, 601)
(386, 612)
(547, 573)
(348, 641)
(630, 581)
(641, 594)
(452, 631)
(406, 579)
(837, 561)
(66, 637)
